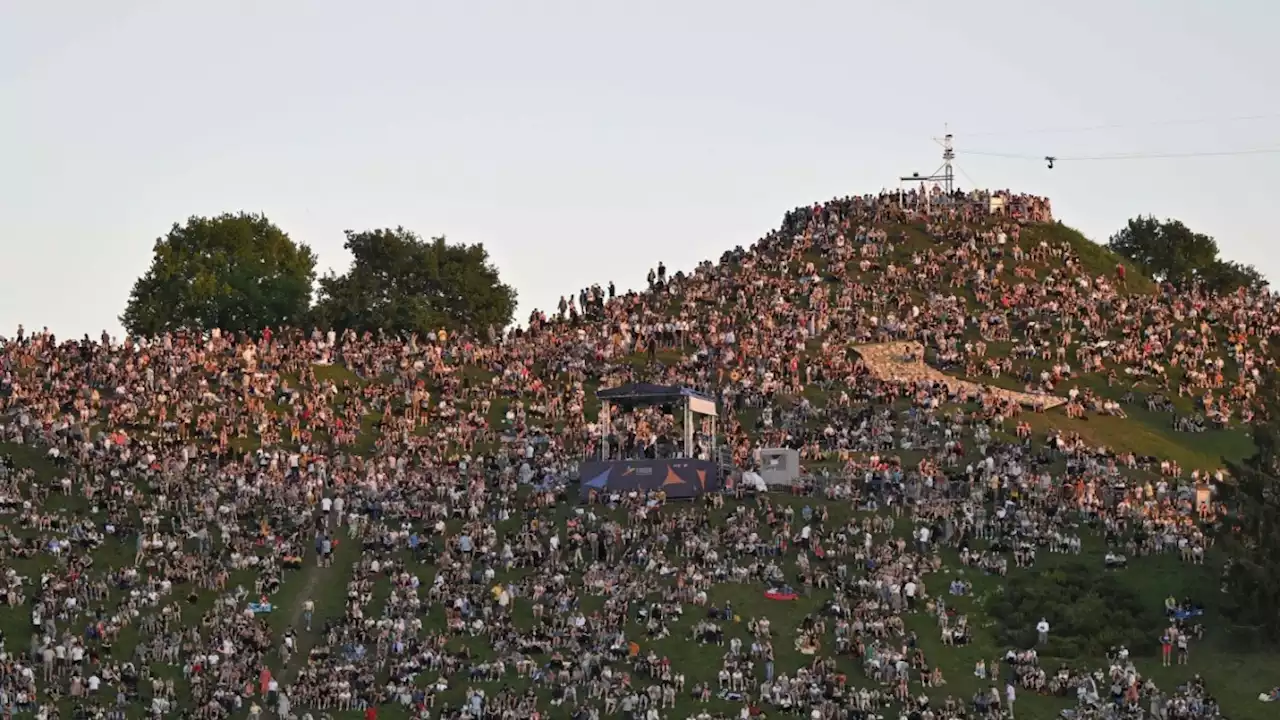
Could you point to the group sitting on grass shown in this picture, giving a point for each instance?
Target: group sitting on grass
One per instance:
(293, 523)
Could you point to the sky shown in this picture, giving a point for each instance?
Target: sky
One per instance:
(583, 142)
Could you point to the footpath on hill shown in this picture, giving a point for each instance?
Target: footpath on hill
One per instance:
(327, 588)
(904, 362)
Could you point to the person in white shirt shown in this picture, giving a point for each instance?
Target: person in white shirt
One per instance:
(922, 536)
(1042, 628)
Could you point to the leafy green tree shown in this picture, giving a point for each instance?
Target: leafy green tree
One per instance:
(402, 284)
(1224, 277)
(1252, 577)
(233, 272)
(1168, 250)
(1089, 611)
(1171, 252)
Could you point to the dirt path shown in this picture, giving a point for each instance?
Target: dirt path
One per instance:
(327, 588)
(307, 593)
(904, 362)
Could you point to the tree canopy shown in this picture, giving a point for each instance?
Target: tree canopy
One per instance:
(400, 283)
(1171, 252)
(1089, 611)
(233, 272)
(1252, 578)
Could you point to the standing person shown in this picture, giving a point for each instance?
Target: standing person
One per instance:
(1042, 628)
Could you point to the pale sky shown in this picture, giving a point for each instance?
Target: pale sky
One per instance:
(584, 141)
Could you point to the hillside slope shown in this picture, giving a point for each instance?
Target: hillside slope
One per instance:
(232, 452)
(772, 330)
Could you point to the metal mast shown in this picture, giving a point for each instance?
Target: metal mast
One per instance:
(944, 175)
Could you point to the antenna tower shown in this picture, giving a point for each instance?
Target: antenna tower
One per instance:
(945, 174)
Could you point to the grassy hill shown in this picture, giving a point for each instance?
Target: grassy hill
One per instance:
(368, 387)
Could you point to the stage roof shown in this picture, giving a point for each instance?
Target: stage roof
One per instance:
(633, 394)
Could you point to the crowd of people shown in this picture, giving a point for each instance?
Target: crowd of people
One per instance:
(203, 492)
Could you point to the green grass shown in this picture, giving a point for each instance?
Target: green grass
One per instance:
(1153, 578)
(1233, 676)
(1148, 434)
(1236, 671)
(1093, 256)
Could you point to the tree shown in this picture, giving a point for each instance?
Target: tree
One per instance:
(1089, 611)
(402, 284)
(1171, 252)
(1252, 576)
(1225, 277)
(232, 272)
(1168, 250)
